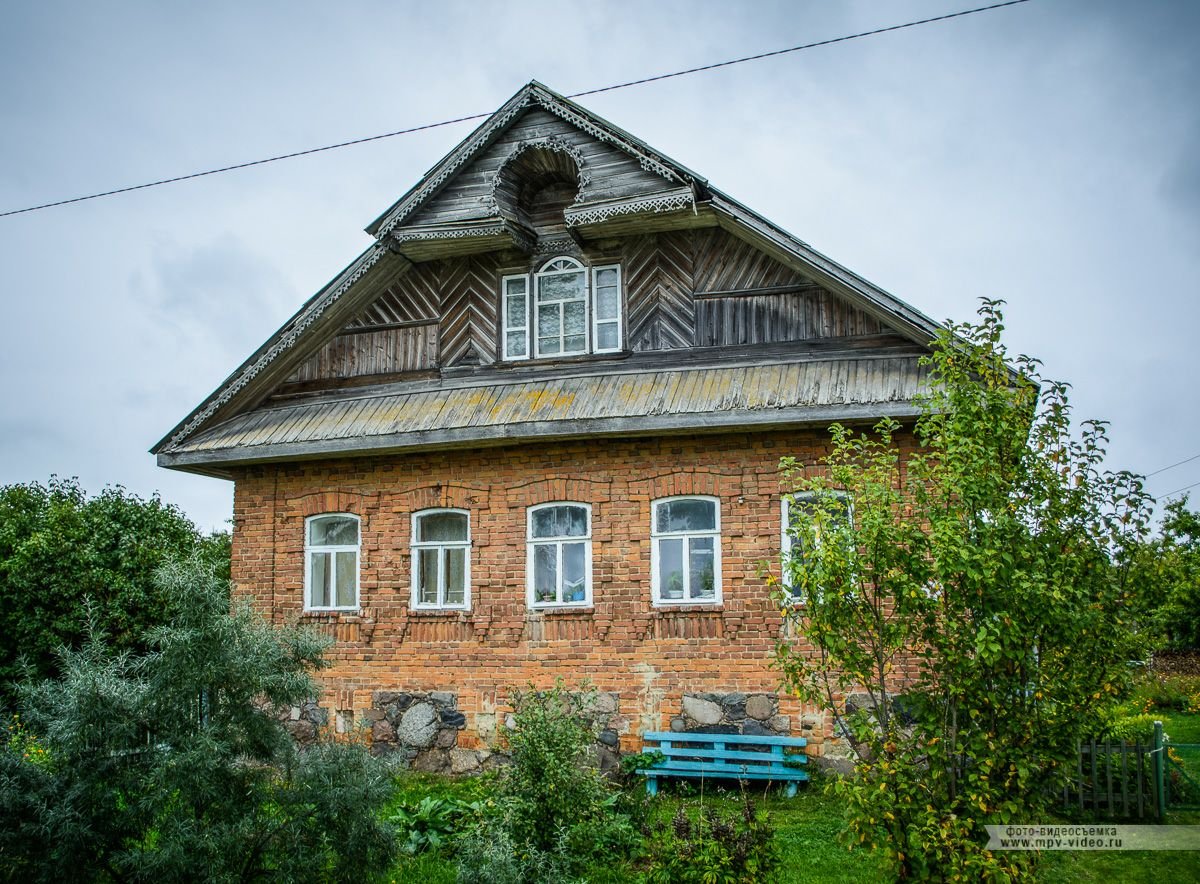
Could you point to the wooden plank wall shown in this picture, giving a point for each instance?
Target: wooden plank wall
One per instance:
(707, 288)
(397, 332)
(657, 272)
(614, 173)
(684, 288)
(470, 309)
(411, 348)
(797, 316)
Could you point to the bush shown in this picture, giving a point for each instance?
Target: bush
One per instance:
(553, 785)
(171, 765)
(555, 811)
(1129, 728)
(61, 550)
(488, 855)
(738, 848)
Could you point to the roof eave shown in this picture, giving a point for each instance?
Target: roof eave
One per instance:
(211, 461)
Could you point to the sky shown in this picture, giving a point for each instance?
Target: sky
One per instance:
(1047, 154)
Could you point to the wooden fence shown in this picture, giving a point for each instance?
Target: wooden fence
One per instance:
(1119, 780)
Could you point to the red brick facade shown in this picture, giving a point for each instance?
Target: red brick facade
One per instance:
(622, 643)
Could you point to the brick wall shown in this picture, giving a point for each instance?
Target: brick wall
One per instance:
(650, 657)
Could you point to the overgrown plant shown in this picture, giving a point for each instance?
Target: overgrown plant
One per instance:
(1169, 567)
(61, 549)
(172, 765)
(972, 618)
(714, 848)
(555, 809)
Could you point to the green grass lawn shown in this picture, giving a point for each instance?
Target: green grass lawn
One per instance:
(807, 827)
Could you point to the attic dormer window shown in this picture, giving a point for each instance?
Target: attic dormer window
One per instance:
(573, 310)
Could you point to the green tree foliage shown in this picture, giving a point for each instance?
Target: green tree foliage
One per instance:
(556, 814)
(60, 548)
(973, 610)
(1169, 569)
(171, 765)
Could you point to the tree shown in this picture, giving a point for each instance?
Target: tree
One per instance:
(173, 765)
(970, 620)
(60, 548)
(1169, 567)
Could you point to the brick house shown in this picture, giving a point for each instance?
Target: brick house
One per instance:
(534, 431)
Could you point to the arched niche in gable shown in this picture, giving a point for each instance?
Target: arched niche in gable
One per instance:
(537, 181)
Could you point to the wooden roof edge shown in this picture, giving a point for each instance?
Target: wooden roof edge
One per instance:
(485, 134)
(240, 384)
(212, 461)
(653, 362)
(907, 319)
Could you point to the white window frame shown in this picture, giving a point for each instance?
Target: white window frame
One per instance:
(787, 542)
(656, 566)
(535, 328)
(532, 542)
(505, 328)
(310, 548)
(592, 322)
(596, 321)
(442, 546)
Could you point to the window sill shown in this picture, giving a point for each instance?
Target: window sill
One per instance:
(562, 609)
(556, 360)
(460, 613)
(688, 607)
(332, 614)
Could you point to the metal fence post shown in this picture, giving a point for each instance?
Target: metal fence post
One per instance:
(1160, 772)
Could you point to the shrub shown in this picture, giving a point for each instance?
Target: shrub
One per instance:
(488, 855)
(556, 812)
(1129, 728)
(172, 766)
(553, 784)
(431, 823)
(738, 848)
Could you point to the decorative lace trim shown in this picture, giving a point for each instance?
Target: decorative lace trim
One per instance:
(555, 143)
(483, 136)
(467, 152)
(669, 203)
(352, 275)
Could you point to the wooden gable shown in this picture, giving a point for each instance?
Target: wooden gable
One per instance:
(703, 281)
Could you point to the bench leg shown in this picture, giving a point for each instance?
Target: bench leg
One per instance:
(651, 786)
(790, 792)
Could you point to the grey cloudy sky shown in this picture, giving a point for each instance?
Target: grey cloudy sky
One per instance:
(1047, 153)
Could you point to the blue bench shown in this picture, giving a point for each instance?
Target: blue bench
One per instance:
(725, 756)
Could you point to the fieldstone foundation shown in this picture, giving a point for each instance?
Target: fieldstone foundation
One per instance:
(735, 713)
(304, 722)
(420, 731)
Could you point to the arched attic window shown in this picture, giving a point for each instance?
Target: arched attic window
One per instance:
(574, 310)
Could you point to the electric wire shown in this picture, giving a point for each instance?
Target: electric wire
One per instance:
(469, 117)
(1178, 491)
(1172, 466)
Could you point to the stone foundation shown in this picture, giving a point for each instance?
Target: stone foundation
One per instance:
(735, 713)
(420, 731)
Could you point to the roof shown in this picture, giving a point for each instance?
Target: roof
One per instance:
(817, 389)
(235, 403)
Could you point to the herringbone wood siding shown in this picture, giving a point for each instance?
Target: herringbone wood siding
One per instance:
(725, 263)
(470, 289)
(414, 297)
(658, 291)
(660, 271)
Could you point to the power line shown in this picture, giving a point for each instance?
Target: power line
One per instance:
(1172, 466)
(464, 119)
(1178, 490)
